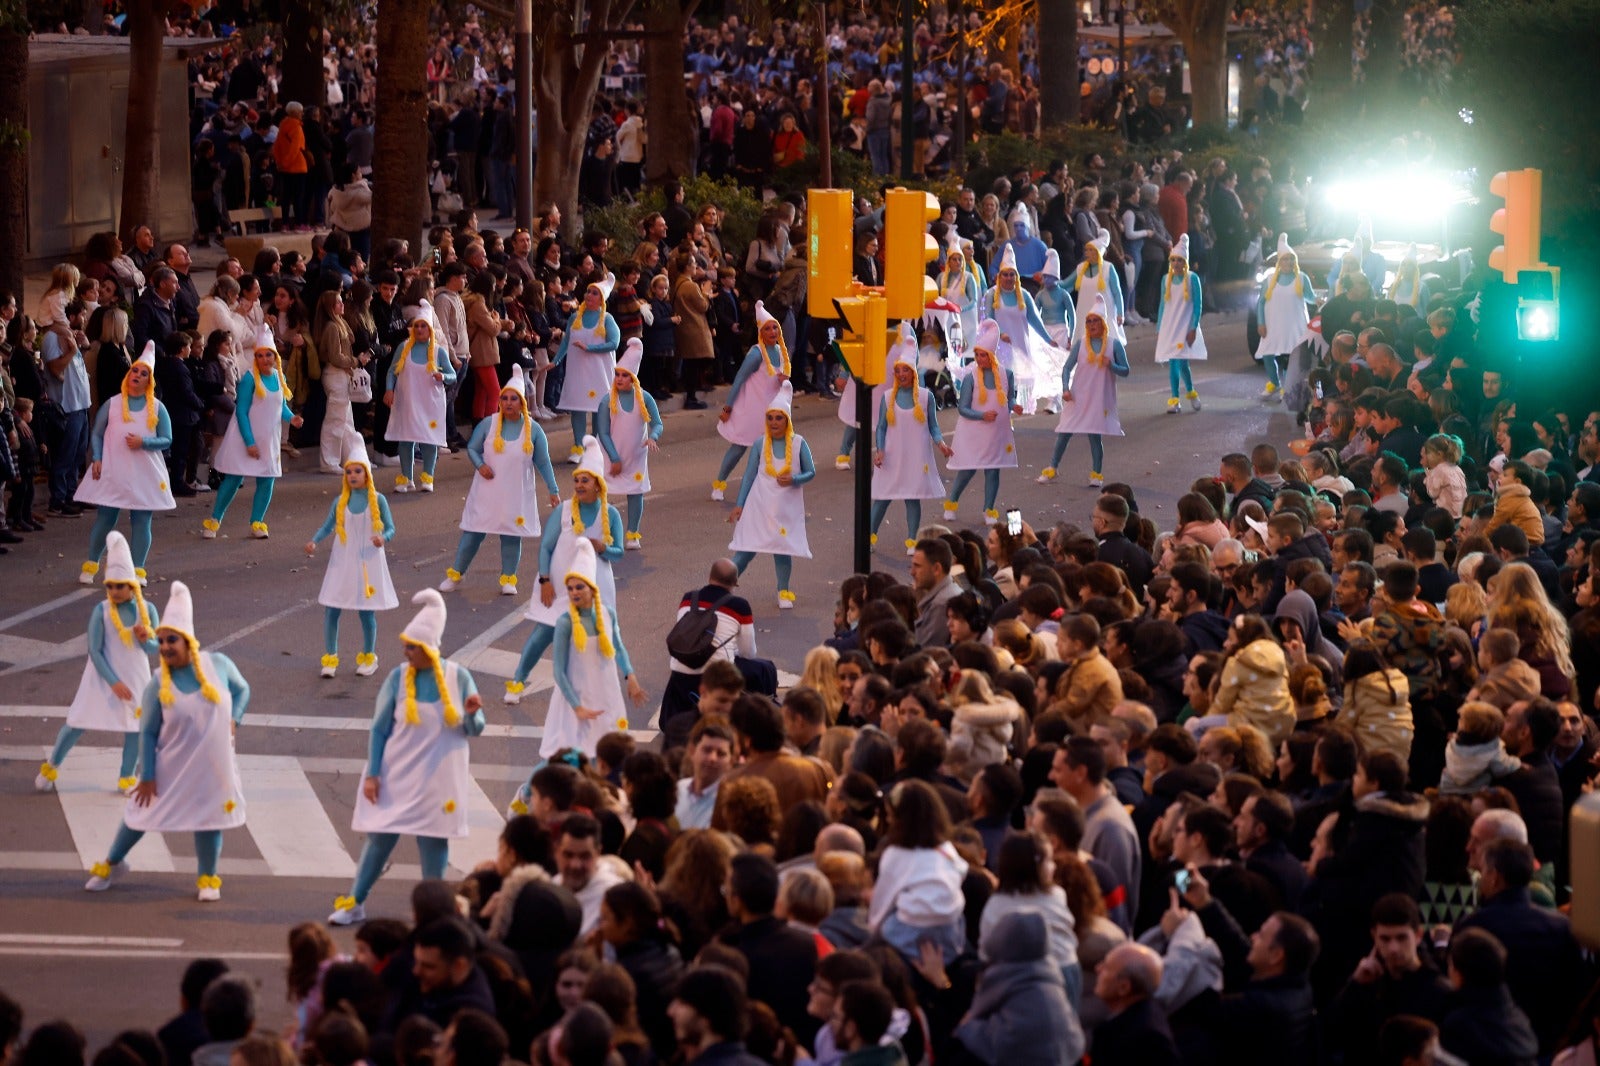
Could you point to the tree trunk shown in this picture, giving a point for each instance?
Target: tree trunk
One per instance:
(141, 151)
(13, 154)
(1334, 38)
(1381, 68)
(400, 130)
(670, 155)
(1208, 77)
(302, 54)
(1058, 82)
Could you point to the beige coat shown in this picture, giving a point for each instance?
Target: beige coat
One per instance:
(483, 332)
(692, 335)
(1377, 709)
(1091, 688)
(1254, 691)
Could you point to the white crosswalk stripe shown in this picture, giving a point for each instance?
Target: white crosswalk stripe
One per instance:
(286, 819)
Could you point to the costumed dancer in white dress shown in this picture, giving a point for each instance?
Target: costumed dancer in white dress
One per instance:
(1025, 348)
(984, 439)
(188, 774)
(126, 471)
(416, 390)
(764, 370)
(417, 780)
(1178, 335)
(628, 426)
(261, 406)
(586, 516)
(1057, 311)
(770, 517)
(959, 285)
(588, 664)
(907, 341)
(507, 449)
(1408, 287)
(589, 348)
(1283, 312)
(905, 466)
(1094, 278)
(357, 578)
(1089, 392)
(122, 637)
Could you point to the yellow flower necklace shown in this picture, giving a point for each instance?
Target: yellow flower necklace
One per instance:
(452, 717)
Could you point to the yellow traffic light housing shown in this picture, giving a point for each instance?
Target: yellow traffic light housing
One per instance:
(1517, 222)
(865, 348)
(908, 249)
(829, 248)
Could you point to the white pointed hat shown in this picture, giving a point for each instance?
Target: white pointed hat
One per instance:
(119, 560)
(424, 311)
(1098, 308)
(952, 245)
(633, 356)
(179, 615)
(763, 316)
(905, 349)
(1180, 250)
(783, 400)
(1008, 261)
(427, 626)
(1283, 244)
(265, 341)
(594, 460)
(355, 451)
(988, 338)
(1052, 264)
(584, 565)
(148, 356)
(1102, 241)
(605, 286)
(1020, 218)
(517, 383)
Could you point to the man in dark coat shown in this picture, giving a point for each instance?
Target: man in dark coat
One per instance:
(1271, 1019)
(709, 1015)
(1110, 522)
(1484, 1025)
(1239, 479)
(1137, 1030)
(1530, 730)
(782, 959)
(444, 978)
(1396, 978)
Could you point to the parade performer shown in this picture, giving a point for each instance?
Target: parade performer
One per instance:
(250, 446)
(905, 466)
(770, 517)
(1057, 311)
(959, 286)
(628, 426)
(1408, 287)
(122, 636)
(1025, 348)
(1089, 392)
(586, 515)
(188, 774)
(764, 370)
(1283, 312)
(984, 439)
(1178, 336)
(507, 449)
(416, 392)
(591, 340)
(847, 395)
(416, 781)
(357, 578)
(126, 470)
(1094, 277)
(587, 660)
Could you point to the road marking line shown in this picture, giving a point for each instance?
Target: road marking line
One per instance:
(258, 625)
(45, 608)
(464, 654)
(310, 764)
(297, 837)
(62, 940)
(94, 811)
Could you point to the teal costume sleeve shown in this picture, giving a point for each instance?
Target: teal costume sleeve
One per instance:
(624, 664)
(613, 339)
(1035, 323)
(97, 435)
(880, 433)
(1119, 359)
(613, 550)
(748, 482)
(652, 414)
(561, 653)
(325, 530)
(752, 359)
(447, 368)
(1070, 365)
(161, 439)
(964, 406)
(97, 644)
(566, 337)
(394, 363)
(932, 414)
(602, 431)
(1305, 287)
(150, 734)
(1114, 286)
(548, 537)
(383, 721)
(480, 438)
(1069, 307)
(541, 458)
(241, 412)
(466, 688)
(238, 687)
(287, 414)
(1196, 305)
(808, 468)
(386, 517)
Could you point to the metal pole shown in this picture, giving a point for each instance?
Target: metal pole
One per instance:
(863, 460)
(524, 113)
(908, 84)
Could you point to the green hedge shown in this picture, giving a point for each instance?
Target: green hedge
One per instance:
(741, 210)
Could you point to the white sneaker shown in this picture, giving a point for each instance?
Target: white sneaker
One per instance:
(86, 578)
(200, 486)
(258, 531)
(403, 489)
(785, 605)
(207, 534)
(97, 883)
(425, 486)
(42, 783)
(841, 463)
(512, 698)
(209, 895)
(508, 590)
(330, 671)
(449, 584)
(949, 514)
(348, 916)
(574, 458)
(633, 543)
(366, 669)
(716, 495)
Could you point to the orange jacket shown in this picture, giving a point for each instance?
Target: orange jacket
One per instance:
(289, 150)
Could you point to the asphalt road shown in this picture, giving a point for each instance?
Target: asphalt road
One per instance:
(304, 738)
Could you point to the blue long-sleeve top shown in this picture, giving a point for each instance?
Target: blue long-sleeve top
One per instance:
(583, 319)
(752, 362)
(1306, 293)
(1192, 280)
(1056, 306)
(419, 355)
(804, 470)
(511, 435)
(247, 399)
(389, 699)
(1029, 309)
(1119, 360)
(969, 389)
(129, 613)
(185, 681)
(590, 512)
(1113, 289)
(654, 427)
(561, 650)
(894, 397)
(358, 505)
(159, 441)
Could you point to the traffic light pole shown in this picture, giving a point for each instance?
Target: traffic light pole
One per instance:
(863, 503)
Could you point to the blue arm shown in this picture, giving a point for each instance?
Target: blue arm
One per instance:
(1034, 321)
(1305, 287)
(97, 435)
(932, 415)
(757, 451)
(97, 645)
(1069, 308)
(394, 361)
(566, 337)
(1069, 367)
(652, 415)
(161, 439)
(383, 721)
(807, 468)
(386, 516)
(1119, 359)
(150, 734)
(561, 649)
(541, 458)
(479, 440)
(287, 414)
(1011, 389)
(238, 687)
(548, 537)
(445, 366)
(964, 406)
(752, 359)
(241, 409)
(881, 432)
(466, 688)
(1114, 286)
(614, 520)
(325, 530)
(602, 430)
(613, 335)
(624, 664)
(1194, 299)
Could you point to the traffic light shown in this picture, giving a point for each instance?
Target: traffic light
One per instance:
(829, 249)
(1539, 303)
(865, 348)
(1517, 222)
(907, 251)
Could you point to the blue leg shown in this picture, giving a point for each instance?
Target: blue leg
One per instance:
(991, 488)
(369, 631)
(105, 520)
(510, 555)
(262, 499)
(1062, 440)
(408, 459)
(743, 560)
(225, 494)
(783, 565)
(208, 851)
(879, 509)
(1175, 376)
(635, 512)
(847, 444)
(913, 518)
(330, 630)
(139, 538)
(959, 485)
(1274, 372)
(577, 429)
(730, 459)
(130, 755)
(435, 853)
(64, 743)
(538, 641)
(467, 550)
(122, 843)
(374, 854)
(430, 457)
(1097, 452)
(1188, 376)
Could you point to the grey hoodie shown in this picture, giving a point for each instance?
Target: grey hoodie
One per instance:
(1020, 1015)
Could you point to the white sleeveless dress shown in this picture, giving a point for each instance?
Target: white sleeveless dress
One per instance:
(424, 781)
(197, 782)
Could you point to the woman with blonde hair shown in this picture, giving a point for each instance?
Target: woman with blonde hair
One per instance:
(1027, 650)
(1465, 605)
(821, 672)
(1517, 602)
(984, 722)
(835, 746)
(1238, 749)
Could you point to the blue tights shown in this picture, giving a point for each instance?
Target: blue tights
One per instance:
(105, 520)
(730, 459)
(635, 512)
(330, 630)
(580, 419)
(847, 443)
(1274, 365)
(783, 564)
(538, 641)
(410, 451)
(231, 483)
(70, 736)
(1178, 377)
(913, 516)
(510, 552)
(207, 848)
(435, 852)
(1097, 451)
(991, 486)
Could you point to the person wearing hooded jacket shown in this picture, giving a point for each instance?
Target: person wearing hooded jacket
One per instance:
(1298, 611)
(1020, 1015)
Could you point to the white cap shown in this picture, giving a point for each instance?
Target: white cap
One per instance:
(1098, 308)
(988, 338)
(1008, 261)
(584, 566)
(783, 400)
(265, 341)
(355, 451)
(905, 349)
(1283, 244)
(1181, 249)
(1020, 218)
(148, 356)
(517, 383)
(1258, 527)
(119, 560)
(594, 460)
(1052, 264)
(605, 285)
(952, 244)
(1102, 241)
(763, 316)
(633, 355)
(427, 626)
(179, 615)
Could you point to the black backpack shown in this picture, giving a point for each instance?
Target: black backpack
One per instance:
(692, 640)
